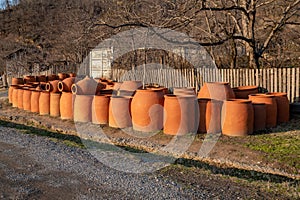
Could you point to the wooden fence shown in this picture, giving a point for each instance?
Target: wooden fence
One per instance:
(273, 79)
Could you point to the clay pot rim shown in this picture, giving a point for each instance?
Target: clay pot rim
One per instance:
(238, 101)
(147, 90)
(280, 94)
(193, 88)
(251, 87)
(171, 96)
(121, 97)
(261, 95)
(221, 83)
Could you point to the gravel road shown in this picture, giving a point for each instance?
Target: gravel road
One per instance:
(36, 167)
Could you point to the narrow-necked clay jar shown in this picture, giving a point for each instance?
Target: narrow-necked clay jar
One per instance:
(237, 117)
(243, 92)
(216, 90)
(283, 106)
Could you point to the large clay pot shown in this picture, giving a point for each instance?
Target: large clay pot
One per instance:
(260, 115)
(66, 105)
(20, 98)
(243, 92)
(184, 91)
(87, 86)
(271, 107)
(27, 100)
(29, 79)
(83, 108)
(131, 85)
(100, 109)
(147, 110)
(10, 92)
(216, 90)
(283, 107)
(213, 116)
(52, 77)
(15, 97)
(54, 104)
(66, 84)
(181, 114)
(41, 78)
(203, 103)
(237, 117)
(34, 101)
(119, 112)
(62, 76)
(17, 81)
(52, 86)
(44, 103)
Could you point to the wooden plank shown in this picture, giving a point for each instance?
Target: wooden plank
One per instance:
(284, 83)
(293, 85)
(264, 85)
(275, 79)
(297, 85)
(247, 76)
(280, 80)
(272, 79)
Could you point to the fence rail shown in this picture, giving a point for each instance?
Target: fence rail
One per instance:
(273, 79)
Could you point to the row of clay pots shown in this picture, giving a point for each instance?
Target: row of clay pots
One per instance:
(41, 78)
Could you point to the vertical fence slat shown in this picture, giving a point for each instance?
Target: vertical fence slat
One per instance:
(297, 85)
(284, 84)
(276, 80)
(289, 82)
(293, 84)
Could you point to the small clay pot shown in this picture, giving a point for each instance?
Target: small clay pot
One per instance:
(27, 100)
(243, 92)
(181, 114)
(119, 112)
(147, 110)
(83, 108)
(29, 79)
(44, 103)
(52, 86)
(271, 107)
(260, 116)
(237, 117)
(66, 105)
(283, 107)
(131, 85)
(216, 90)
(54, 104)
(34, 101)
(17, 81)
(100, 109)
(20, 98)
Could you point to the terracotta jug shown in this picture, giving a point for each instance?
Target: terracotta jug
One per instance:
(213, 116)
(100, 109)
(131, 85)
(87, 86)
(66, 84)
(29, 79)
(147, 110)
(184, 91)
(52, 77)
(27, 100)
(237, 117)
(83, 108)
(203, 103)
(216, 90)
(271, 107)
(54, 104)
(260, 116)
(66, 105)
(44, 103)
(181, 114)
(34, 101)
(119, 112)
(243, 92)
(52, 86)
(283, 106)
(17, 81)
(20, 98)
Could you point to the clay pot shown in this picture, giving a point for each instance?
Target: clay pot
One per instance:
(105, 92)
(203, 103)
(34, 101)
(52, 86)
(66, 105)
(83, 108)
(100, 109)
(271, 107)
(237, 117)
(62, 76)
(29, 79)
(181, 114)
(125, 92)
(283, 107)
(20, 98)
(44, 103)
(260, 115)
(54, 104)
(117, 85)
(243, 92)
(119, 112)
(52, 77)
(15, 97)
(184, 91)
(147, 110)
(131, 85)
(27, 100)
(10, 92)
(17, 81)
(41, 78)
(213, 116)
(87, 86)
(65, 85)
(216, 90)
(72, 75)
